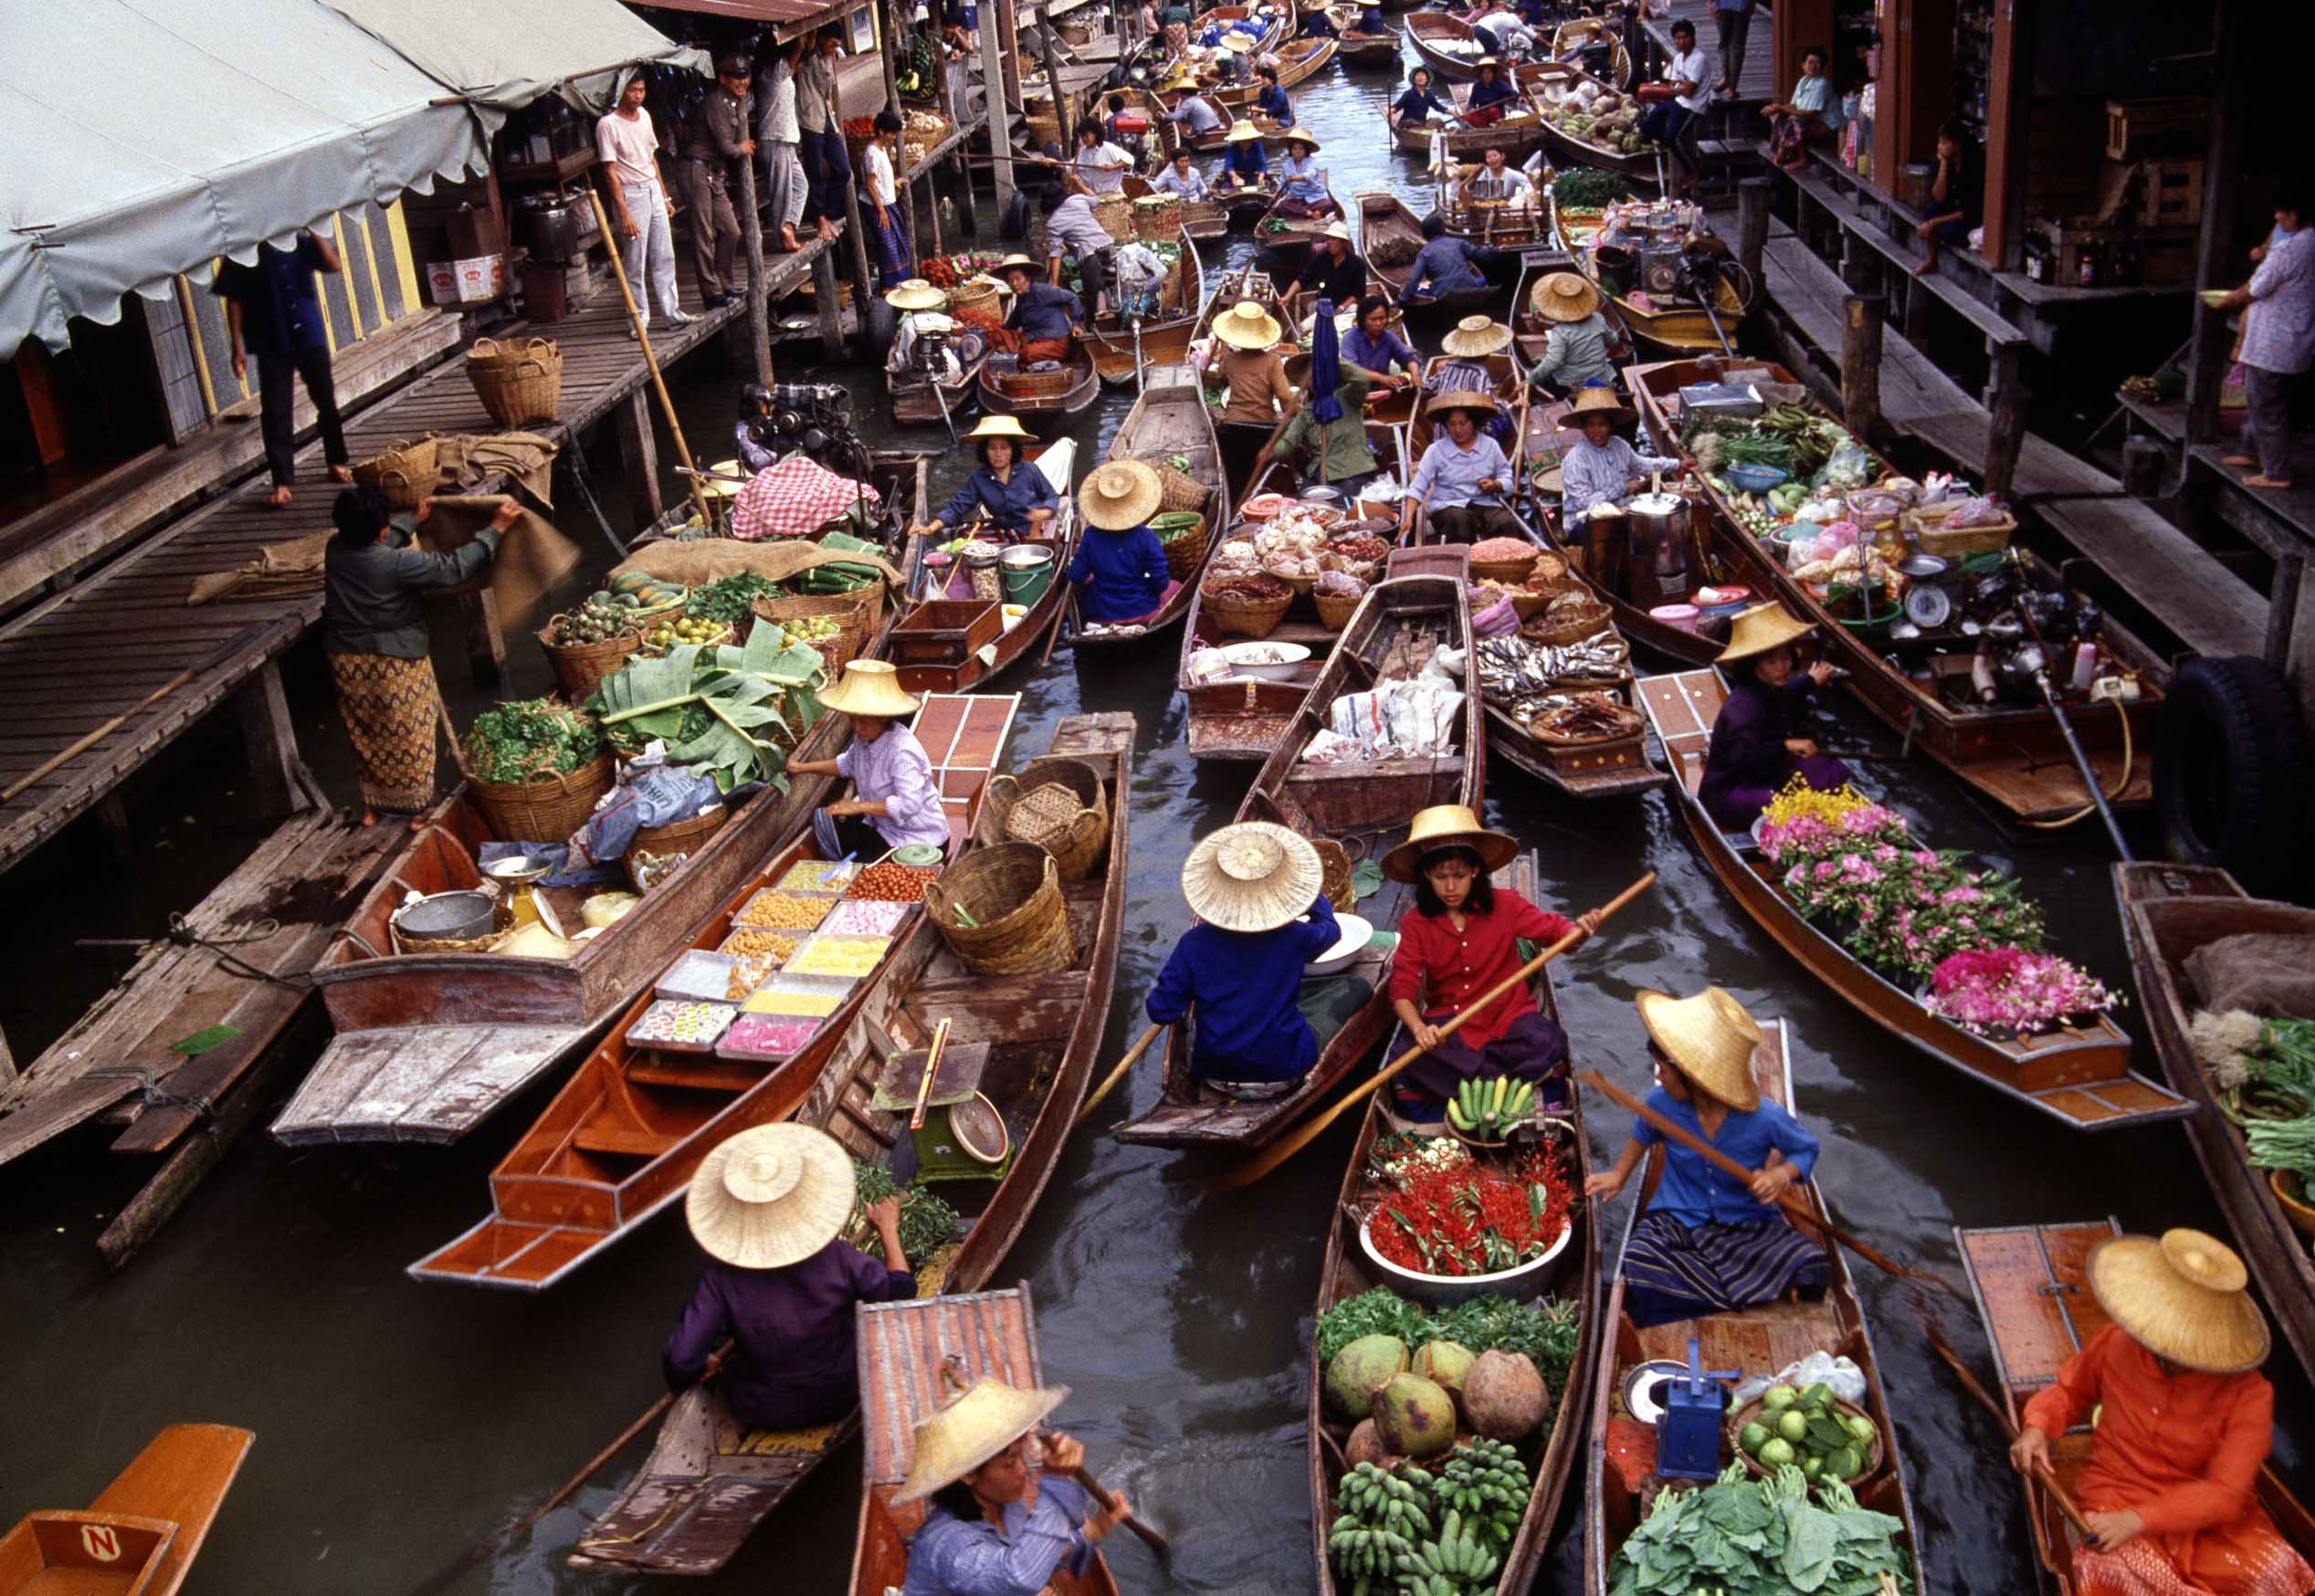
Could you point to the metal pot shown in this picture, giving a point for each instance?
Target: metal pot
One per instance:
(447, 917)
(1619, 268)
(551, 227)
(1657, 530)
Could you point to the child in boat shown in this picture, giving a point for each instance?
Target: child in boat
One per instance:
(1754, 753)
(1120, 570)
(1255, 888)
(1709, 1242)
(2186, 1421)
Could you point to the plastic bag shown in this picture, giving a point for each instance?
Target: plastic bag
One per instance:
(1850, 466)
(1977, 512)
(1497, 619)
(1845, 1378)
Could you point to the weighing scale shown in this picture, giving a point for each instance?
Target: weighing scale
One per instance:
(1687, 1432)
(958, 1133)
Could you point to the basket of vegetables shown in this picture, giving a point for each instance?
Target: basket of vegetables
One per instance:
(1182, 534)
(838, 625)
(677, 631)
(586, 644)
(536, 767)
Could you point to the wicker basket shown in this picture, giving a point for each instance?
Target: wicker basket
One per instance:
(1046, 770)
(1530, 601)
(1334, 873)
(1335, 609)
(546, 810)
(671, 844)
(728, 632)
(857, 610)
(1186, 552)
(1157, 218)
(1060, 808)
(1512, 571)
(1930, 533)
(405, 473)
(1052, 384)
(974, 293)
(1240, 618)
(520, 382)
(1001, 912)
(1572, 625)
(580, 667)
(1177, 489)
(1115, 213)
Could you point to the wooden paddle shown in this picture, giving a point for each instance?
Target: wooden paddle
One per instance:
(1795, 1206)
(1985, 1399)
(1286, 1145)
(1149, 1538)
(1141, 1046)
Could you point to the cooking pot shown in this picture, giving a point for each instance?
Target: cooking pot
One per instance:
(447, 917)
(550, 226)
(1656, 527)
(1617, 267)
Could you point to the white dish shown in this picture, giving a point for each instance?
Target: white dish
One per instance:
(1274, 662)
(1356, 934)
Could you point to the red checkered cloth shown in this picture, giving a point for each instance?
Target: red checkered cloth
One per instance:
(794, 498)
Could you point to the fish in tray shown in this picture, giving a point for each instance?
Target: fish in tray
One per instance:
(1511, 668)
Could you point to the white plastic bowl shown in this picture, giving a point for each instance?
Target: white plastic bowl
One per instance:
(1447, 1290)
(1263, 660)
(1356, 934)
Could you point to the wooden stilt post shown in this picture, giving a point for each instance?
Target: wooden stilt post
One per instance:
(824, 298)
(1753, 197)
(639, 457)
(1061, 110)
(2005, 428)
(751, 235)
(1861, 318)
(271, 741)
(999, 99)
(2217, 264)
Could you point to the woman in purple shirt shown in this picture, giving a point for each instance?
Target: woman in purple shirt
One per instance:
(768, 1207)
(1753, 750)
(895, 802)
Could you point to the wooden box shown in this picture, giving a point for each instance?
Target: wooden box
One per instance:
(2160, 125)
(945, 632)
(2171, 192)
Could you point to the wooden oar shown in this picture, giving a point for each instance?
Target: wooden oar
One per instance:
(1792, 1202)
(2058, 1493)
(1285, 1147)
(1149, 1538)
(1141, 1046)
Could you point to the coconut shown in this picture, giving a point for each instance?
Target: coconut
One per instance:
(1445, 1363)
(1360, 1369)
(1414, 1416)
(1365, 1445)
(1505, 1396)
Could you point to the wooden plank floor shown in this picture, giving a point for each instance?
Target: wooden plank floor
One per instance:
(1759, 83)
(101, 647)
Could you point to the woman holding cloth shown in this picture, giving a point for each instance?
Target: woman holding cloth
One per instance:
(895, 800)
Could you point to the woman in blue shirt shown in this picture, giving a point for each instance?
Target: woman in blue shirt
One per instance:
(1244, 163)
(1491, 90)
(1302, 190)
(1708, 1243)
(1015, 494)
(1271, 100)
(1254, 887)
(1373, 345)
(1415, 107)
(1120, 568)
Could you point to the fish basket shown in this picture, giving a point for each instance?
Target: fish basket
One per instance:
(1177, 490)
(1115, 213)
(1571, 624)
(1334, 873)
(405, 473)
(1241, 617)
(1001, 912)
(1335, 609)
(1184, 551)
(857, 611)
(1157, 218)
(1057, 805)
(1933, 537)
(580, 667)
(520, 382)
(1511, 570)
(545, 809)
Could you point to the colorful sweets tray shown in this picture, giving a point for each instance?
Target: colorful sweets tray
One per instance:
(865, 918)
(766, 1038)
(681, 1025)
(844, 958)
(772, 909)
(817, 875)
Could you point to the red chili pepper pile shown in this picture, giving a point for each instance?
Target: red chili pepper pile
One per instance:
(1476, 1219)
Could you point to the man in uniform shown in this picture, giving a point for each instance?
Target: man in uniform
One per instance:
(719, 138)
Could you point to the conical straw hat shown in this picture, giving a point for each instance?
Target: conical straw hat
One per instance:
(1007, 427)
(1760, 629)
(1246, 325)
(869, 687)
(1298, 134)
(1121, 495)
(972, 1430)
(2183, 1299)
(1711, 1037)
(1446, 825)
(1462, 399)
(1593, 401)
(771, 1196)
(1251, 876)
(1564, 295)
(1339, 230)
(1477, 335)
(916, 294)
(1242, 131)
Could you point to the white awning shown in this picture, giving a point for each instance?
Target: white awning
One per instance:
(504, 54)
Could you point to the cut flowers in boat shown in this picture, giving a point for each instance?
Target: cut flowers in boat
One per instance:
(1994, 991)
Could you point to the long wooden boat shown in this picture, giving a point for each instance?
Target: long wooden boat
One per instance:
(710, 1480)
(1519, 134)
(1361, 49)
(1384, 218)
(428, 1044)
(1390, 634)
(1760, 1339)
(2168, 912)
(620, 1141)
(2078, 1075)
(1297, 60)
(139, 1537)
(2031, 1284)
(1286, 248)
(1573, 1276)
(1431, 31)
(1045, 402)
(1272, 35)
(1674, 331)
(1170, 422)
(955, 646)
(1166, 136)
(2015, 754)
(1575, 38)
(1642, 165)
(1120, 349)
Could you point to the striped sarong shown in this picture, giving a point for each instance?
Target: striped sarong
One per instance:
(390, 707)
(1673, 1270)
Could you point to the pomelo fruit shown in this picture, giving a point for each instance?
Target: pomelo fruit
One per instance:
(1414, 1417)
(1360, 1369)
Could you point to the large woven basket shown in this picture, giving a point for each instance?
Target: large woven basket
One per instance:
(546, 810)
(1930, 531)
(1334, 873)
(662, 846)
(1184, 553)
(1177, 489)
(974, 293)
(405, 473)
(1001, 912)
(1157, 218)
(1115, 213)
(1049, 384)
(1059, 805)
(1335, 609)
(1241, 618)
(580, 667)
(520, 382)
(1573, 624)
(857, 610)
(1511, 570)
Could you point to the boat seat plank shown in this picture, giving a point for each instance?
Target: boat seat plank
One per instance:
(1004, 1008)
(705, 1074)
(429, 1083)
(1769, 1336)
(624, 1140)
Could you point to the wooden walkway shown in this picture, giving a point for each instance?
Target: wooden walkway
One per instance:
(1758, 84)
(124, 642)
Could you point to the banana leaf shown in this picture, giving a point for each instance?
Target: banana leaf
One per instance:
(760, 699)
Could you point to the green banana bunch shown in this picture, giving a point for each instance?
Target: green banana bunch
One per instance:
(1491, 1109)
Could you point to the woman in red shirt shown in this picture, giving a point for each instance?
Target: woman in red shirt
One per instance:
(1462, 939)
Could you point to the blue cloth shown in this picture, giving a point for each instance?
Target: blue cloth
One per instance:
(1126, 569)
(1694, 1192)
(1444, 265)
(1273, 103)
(280, 306)
(1046, 311)
(1325, 363)
(1245, 984)
(1249, 161)
(954, 1558)
(1378, 354)
(1007, 502)
(656, 797)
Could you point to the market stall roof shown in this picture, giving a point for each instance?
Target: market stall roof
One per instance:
(145, 140)
(787, 19)
(504, 54)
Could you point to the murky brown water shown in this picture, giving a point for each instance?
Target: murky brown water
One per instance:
(400, 1424)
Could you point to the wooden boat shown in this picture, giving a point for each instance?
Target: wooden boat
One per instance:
(428, 1044)
(1286, 248)
(1383, 219)
(1519, 133)
(926, 399)
(943, 645)
(2012, 753)
(1578, 36)
(2078, 1075)
(620, 1141)
(1530, 331)
(919, 1355)
(1298, 61)
(1643, 165)
(1762, 1339)
(1676, 330)
(1168, 422)
(1271, 36)
(1394, 630)
(2034, 1298)
(139, 1537)
(1361, 49)
(1046, 402)
(1163, 340)
(710, 1480)
(1430, 32)
(2168, 912)
(1576, 1276)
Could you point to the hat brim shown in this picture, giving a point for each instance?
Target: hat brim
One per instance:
(1446, 401)
(2228, 1349)
(787, 1230)
(1037, 1403)
(1247, 335)
(1008, 427)
(1117, 515)
(926, 299)
(1551, 307)
(879, 697)
(1495, 850)
(1231, 905)
(1777, 632)
(1736, 1089)
(1579, 414)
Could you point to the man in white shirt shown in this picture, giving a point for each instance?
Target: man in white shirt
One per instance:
(1101, 164)
(2279, 341)
(1514, 40)
(778, 136)
(1689, 74)
(628, 145)
(1498, 180)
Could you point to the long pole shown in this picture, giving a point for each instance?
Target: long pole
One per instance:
(752, 233)
(1109, 1082)
(1061, 112)
(1985, 1399)
(2066, 729)
(1149, 1538)
(650, 361)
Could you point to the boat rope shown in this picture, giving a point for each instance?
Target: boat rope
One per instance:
(150, 1096)
(2122, 783)
(181, 931)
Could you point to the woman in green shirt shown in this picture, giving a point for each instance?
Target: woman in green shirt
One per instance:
(1333, 452)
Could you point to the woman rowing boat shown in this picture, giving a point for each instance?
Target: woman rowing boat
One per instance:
(1754, 753)
(2181, 1423)
(1707, 1242)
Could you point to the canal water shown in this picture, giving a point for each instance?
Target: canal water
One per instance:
(399, 1423)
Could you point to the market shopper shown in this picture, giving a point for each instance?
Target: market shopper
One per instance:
(1957, 195)
(1120, 568)
(1754, 753)
(1601, 469)
(1244, 163)
(718, 139)
(1374, 346)
(1708, 1243)
(1575, 348)
(2181, 1422)
(769, 1206)
(894, 255)
(374, 630)
(1007, 489)
(1237, 975)
(2279, 341)
(1461, 484)
(1812, 115)
(896, 801)
(273, 310)
(1446, 264)
(780, 139)
(628, 146)
(1688, 82)
(1335, 272)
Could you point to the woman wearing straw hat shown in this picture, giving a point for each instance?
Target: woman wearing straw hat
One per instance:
(1254, 381)
(1709, 1242)
(1328, 448)
(1754, 753)
(1003, 1516)
(1489, 94)
(2171, 1483)
(1262, 918)
(768, 1207)
(1459, 482)
(1464, 369)
(1460, 940)
(1244, 163)
(1011, 491)
(1601, 469)
(1302, 191)
(1120, 568)
(1045, 315)
(895, 800)
(1335, 272)
(1575, 349)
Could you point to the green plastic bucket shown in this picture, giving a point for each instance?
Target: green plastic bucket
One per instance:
(1027, 579)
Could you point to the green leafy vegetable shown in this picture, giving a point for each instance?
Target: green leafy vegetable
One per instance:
(1546, 1334)
(730, 599)
(757, 700)
(1743, 1536)
(1379, 1312)
(1587, 188)
(927, 1221)
(530, 738)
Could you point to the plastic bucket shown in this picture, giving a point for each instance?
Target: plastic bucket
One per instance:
(1029, 573)
(1619, 268)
